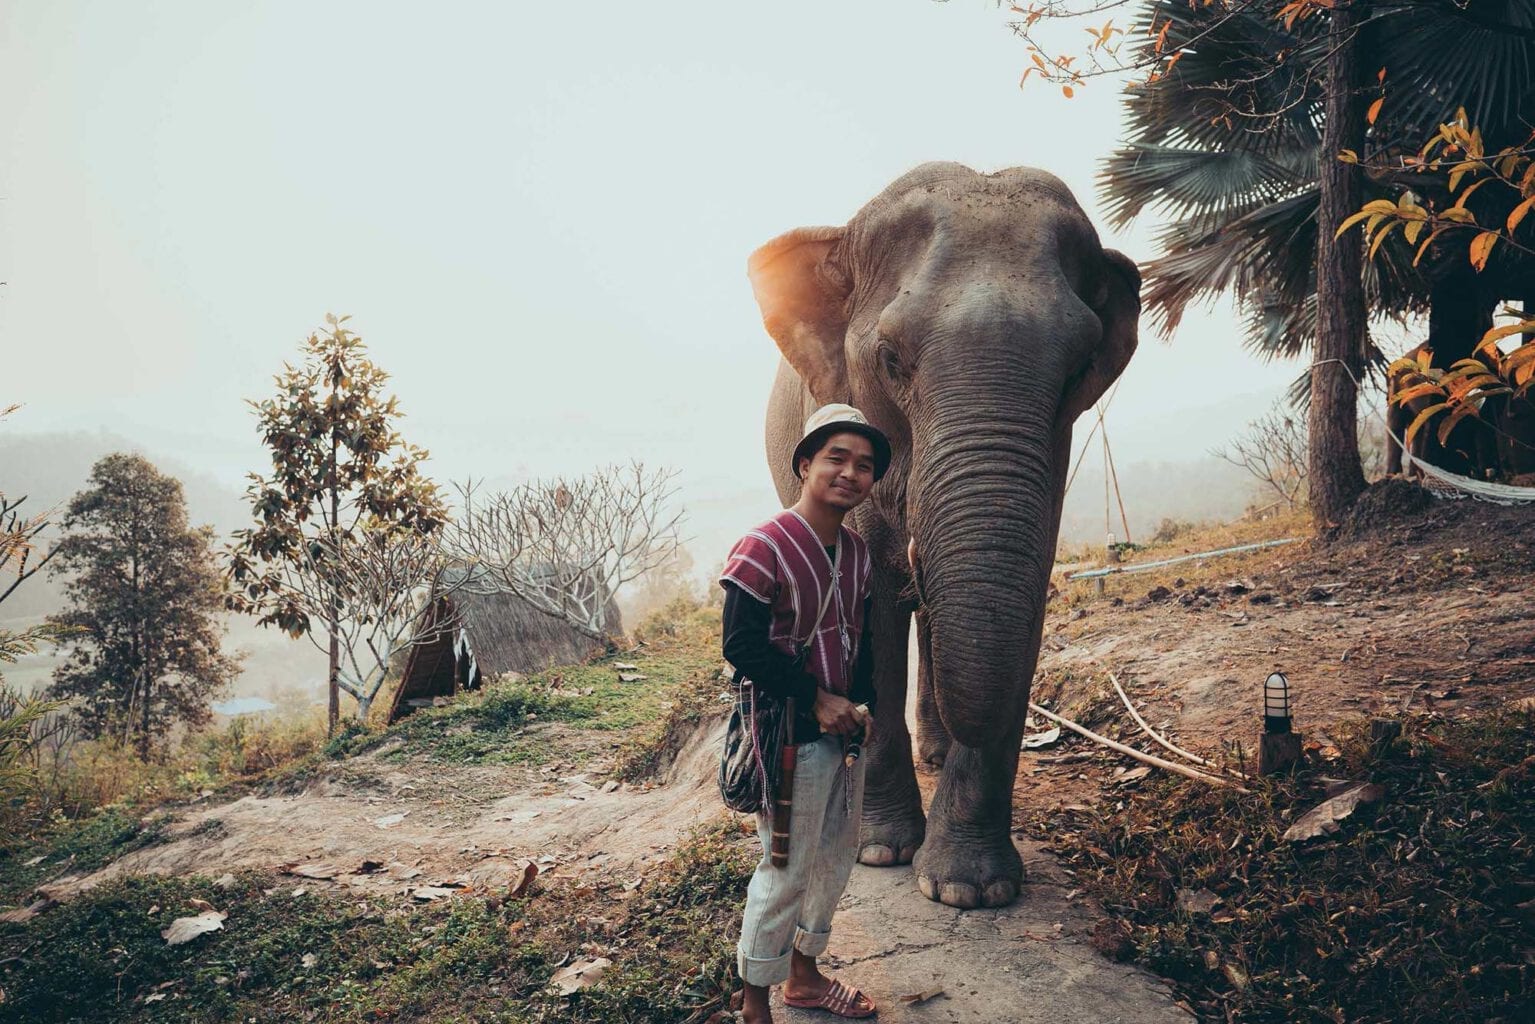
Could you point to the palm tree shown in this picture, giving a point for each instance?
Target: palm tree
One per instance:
(1229, 147)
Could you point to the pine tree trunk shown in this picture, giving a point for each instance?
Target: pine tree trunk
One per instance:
(1336, 476)
(144, 721)
(335, 637)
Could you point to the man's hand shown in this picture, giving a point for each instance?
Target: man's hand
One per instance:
(838, 715)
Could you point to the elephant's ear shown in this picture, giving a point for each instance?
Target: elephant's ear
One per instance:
(803, 294)
(1118, 304)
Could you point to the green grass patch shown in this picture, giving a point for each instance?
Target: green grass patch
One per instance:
(1418, 909)
(329, 956)
(79, 845)
(679, 660)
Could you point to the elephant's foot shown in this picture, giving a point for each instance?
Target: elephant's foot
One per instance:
(969, 873)
(885, 842)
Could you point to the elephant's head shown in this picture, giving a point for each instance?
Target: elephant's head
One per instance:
(972, 317)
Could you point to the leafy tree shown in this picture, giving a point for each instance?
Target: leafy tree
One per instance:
(1236, 133)
(146, 598)
(19, 716)
(339, 467)
(20, 560)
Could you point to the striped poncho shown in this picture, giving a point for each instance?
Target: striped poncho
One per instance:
(783, 564)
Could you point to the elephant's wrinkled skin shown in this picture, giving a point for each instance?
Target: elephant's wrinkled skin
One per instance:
(972, 317)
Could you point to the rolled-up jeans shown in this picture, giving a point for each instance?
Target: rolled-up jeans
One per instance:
(790, 907)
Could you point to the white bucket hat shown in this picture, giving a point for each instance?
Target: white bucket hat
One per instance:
(841, 419)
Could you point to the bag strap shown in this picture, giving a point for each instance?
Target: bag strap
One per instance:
(831, 588)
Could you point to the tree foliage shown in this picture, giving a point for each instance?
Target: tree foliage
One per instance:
(1235, 132)
(341, 472)
(146, 601)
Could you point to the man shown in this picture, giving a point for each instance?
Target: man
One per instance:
(776, 579)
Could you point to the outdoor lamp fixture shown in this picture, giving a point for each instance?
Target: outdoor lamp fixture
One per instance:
(1279, 747)
(1276, 703)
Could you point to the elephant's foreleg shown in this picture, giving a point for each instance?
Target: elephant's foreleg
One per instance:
(968, 859)
(932, 737)
(893, 825)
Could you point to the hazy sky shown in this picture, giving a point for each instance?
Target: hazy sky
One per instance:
(538, 216)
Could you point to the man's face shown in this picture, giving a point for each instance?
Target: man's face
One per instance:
(841, 473)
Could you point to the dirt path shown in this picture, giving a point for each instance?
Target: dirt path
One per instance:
(1434, 612)
(1030, 963)
(424, 823)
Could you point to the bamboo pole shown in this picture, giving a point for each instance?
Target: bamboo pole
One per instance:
(1149, 731)
(1132, 752)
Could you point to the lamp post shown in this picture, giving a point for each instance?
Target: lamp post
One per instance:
(1279, 747)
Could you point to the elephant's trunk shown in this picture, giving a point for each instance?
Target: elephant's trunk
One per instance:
(984, 509)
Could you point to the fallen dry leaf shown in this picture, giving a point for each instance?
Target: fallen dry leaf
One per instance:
(185, 929)
(427, 893)
(1201, 901)
(917, 998)
(315, 869)
(581, 974)
(529, 872)
(1323, 819)
(1040, 740)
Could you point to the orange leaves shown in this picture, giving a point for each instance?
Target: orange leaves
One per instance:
(1055, 69)
(1101, 36)
(1481, 248)
(1457, 151)
(1519, 212)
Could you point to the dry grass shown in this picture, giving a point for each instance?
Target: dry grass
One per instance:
(1418, 909)
(1203, 537)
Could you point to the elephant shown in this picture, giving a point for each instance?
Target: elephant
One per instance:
(971, 317)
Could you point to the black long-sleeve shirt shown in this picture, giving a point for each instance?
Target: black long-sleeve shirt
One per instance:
(746, 626)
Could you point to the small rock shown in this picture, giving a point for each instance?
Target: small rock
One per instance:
(610, 785)
(1158, 594)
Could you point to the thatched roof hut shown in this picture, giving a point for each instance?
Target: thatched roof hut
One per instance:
(490, 635)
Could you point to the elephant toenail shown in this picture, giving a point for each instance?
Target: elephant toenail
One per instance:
(907, 854)
(961, 895)
(876, 856)
(1000, 894)
(927, 886)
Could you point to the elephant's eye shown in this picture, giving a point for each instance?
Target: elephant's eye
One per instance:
(890, 363)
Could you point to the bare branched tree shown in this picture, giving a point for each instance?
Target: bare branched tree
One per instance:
(1273, 449)
(566, 546)
(382, 586)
